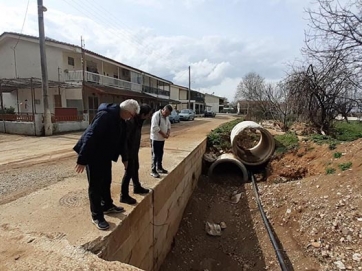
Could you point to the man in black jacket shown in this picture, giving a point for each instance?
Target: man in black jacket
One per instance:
(134, 133)
(101, 143)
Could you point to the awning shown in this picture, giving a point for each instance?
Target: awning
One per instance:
(129, 94)
(9, 85)
(163, 98)
(100, 89)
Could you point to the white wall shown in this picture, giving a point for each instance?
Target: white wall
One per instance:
(175, 93)
(212, 101)
(27, 60)
(10, 99)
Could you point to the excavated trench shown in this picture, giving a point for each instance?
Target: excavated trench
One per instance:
(216, 232)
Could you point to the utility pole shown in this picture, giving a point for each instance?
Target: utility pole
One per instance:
(1, 99)
(48, 129)
(189, 94)
(83, 74)
(60, 96)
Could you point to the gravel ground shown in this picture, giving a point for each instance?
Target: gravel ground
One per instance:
(22, 181)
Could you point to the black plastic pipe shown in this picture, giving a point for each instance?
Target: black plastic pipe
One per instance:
(268, 228)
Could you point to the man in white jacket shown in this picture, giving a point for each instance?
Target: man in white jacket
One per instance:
(160, 131)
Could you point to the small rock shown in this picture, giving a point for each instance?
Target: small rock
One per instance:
(357, 257)
(223, 225)
(340, 265)
(316, 244)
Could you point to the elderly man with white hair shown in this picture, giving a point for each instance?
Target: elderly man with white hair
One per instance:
(101, 143)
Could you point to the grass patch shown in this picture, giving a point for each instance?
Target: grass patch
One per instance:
(324, 139)
(286, 142)
(330, 171)
(337, 155)
(219, 139)
(344, 131)
(345, 166)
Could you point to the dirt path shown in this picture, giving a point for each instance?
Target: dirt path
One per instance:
(31, 163)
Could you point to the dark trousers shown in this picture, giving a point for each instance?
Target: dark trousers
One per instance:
(99, 189)
(130, 173)
(157, 154)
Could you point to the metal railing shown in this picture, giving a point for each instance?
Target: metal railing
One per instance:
(77, 77)
(17, 117)
(67, 118)
(156, 91)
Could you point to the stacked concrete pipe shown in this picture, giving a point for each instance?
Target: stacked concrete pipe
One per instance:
(256, 156)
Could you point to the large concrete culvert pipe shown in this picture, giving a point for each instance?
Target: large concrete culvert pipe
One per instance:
(229, 158)
(258, 154)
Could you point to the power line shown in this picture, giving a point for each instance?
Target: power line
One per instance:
(22, 27)
(110, 23)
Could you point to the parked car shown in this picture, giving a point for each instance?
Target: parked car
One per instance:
(174, 117)
(187, 114)
(209, 113)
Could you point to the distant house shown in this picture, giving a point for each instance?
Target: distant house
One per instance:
(214, 103)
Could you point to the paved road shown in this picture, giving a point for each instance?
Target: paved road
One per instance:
(30, 163)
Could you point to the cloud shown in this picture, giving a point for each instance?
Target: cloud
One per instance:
(217, 63)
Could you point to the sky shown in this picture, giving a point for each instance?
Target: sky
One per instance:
(221, 40)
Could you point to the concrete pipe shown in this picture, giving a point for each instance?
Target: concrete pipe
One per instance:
(258, 154)
(229, 158)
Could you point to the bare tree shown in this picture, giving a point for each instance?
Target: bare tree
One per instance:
(329, 84)
(323, 90)
(251, 88)
(251, 93)
(280, 104)
(335, 32)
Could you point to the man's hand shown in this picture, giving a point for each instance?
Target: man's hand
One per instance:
(125, 163)
(79, 168)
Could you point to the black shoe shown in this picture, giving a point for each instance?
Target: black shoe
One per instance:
(101, 224)
(155, 174)
(162, 171)
(140, 190)
(114, 209)
(128, 200)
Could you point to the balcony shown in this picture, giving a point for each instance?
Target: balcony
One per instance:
(197, 98)
(155, 91)
(77, 77)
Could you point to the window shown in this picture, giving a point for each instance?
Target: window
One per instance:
(70, 61)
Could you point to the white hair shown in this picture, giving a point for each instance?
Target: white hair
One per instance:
(131, 106)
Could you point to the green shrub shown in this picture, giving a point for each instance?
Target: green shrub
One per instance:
(348, 131)
(10, 110)
(345, 166)
(330, 170)
(337, 155)
(286, 142)
(219, 138)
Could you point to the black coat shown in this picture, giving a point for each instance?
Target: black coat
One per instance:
(134, 133)
(105, 137)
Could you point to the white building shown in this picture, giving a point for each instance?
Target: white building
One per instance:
(214, 102)
(105, 80)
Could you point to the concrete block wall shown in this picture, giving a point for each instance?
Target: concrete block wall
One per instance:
(144, 238)
(18, 128)
(69, 126)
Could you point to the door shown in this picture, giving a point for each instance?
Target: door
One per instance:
(57, 101)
